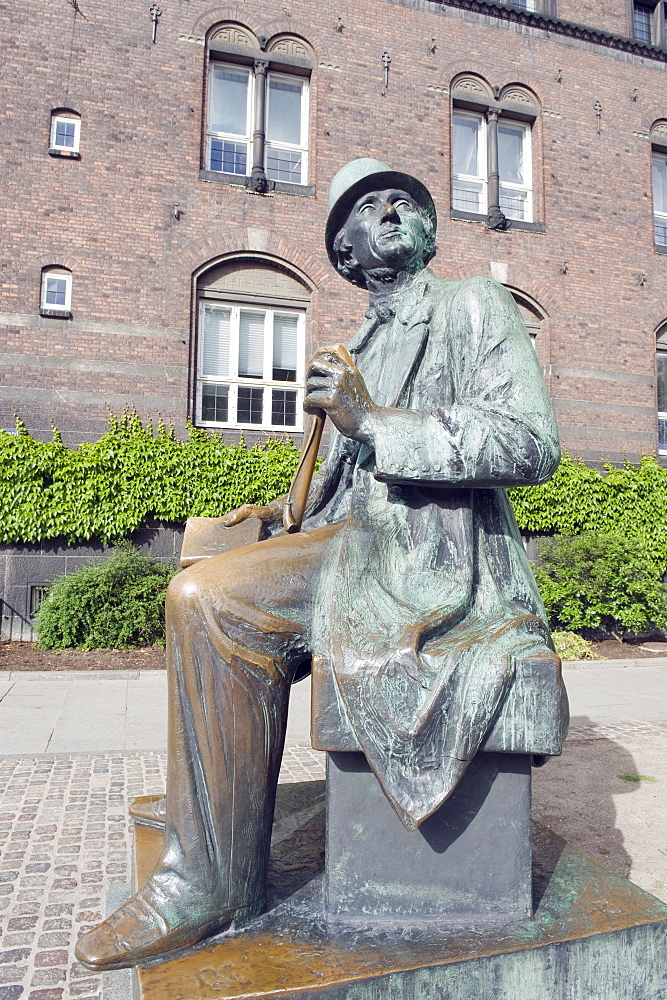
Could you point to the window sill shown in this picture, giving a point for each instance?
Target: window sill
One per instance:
(69, 154)
(241, 181)
(55, 313)
(659, 248)
(527, 227)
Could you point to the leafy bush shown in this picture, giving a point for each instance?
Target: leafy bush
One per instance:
(114, 604)
(629, 501)
(571, 646)
(595, 580)
(109, 488)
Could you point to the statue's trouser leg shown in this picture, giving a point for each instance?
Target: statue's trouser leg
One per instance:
(237, 626)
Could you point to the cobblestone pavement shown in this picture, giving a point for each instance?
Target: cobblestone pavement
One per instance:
(64, 840)
(65, 837)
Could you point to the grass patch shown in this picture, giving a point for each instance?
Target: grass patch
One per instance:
(635, 778)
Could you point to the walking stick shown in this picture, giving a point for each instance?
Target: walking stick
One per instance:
(297, 498)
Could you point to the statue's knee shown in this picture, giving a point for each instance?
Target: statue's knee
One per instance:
(184, 589)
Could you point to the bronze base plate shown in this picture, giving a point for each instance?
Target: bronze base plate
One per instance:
(594, 936)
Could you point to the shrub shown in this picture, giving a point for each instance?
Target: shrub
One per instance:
(571, 646)
(111, 487)
(114, 604)
(595, 580)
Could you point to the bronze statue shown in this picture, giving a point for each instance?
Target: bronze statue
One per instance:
(409, 577)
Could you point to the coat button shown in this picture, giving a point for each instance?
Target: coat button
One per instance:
(425, 468)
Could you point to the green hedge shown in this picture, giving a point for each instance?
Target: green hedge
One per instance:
(109, 488)
(630, 501)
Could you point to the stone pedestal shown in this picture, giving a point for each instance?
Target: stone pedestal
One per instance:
(592, 936)
(470, 861)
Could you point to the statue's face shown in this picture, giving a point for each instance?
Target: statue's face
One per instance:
(386, 229)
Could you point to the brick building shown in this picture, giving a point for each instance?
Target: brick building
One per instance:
(156, 254)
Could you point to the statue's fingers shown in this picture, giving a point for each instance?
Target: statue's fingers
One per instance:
(322, 367)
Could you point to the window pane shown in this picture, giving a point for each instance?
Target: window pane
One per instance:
(285, 329)
(284, 115)
(283, 408)
(510, 154)
(215, 403)
(283, 165)
(662, 381)
(228, 106)
(215, 351)
(662, 434)
(641, 20)
(64, 133)
(465, 156)
(231, 157)
(249, 406)
(513, 203)
(659, 184)
(251, 345)
(525, 4)
(56, 291)
(467, 196)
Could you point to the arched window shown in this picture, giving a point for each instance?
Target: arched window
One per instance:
(65, 133)
(56, 292)
(659, 179)
(251, 345)
(661, 372)
(257, 114)
(492, 151)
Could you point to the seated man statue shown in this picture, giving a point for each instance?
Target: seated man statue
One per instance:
(409, 578)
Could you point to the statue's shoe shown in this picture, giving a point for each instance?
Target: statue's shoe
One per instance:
(149, 810)
(137, 932)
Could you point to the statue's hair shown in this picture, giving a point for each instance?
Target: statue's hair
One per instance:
(348, 266)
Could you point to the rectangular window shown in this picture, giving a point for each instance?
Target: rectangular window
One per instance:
(229, 119)
(642, 23)
(286, 128)
(659, 172)
(530, 5)
(251, 366)
(65, 134)
(662, 402)
(56, 291)
(469, 163)
(515, 168)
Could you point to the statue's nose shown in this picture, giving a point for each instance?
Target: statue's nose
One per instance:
(389, 211)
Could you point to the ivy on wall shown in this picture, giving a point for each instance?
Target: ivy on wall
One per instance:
(630, 501)
(109, 488)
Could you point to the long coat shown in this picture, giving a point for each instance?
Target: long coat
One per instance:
(429, 599)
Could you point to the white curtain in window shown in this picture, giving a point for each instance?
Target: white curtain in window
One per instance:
(660, 184)
(466, 145)
(228, 107)
(251, 344)
(215, 352)
(284, 112)
(510, 154)
(285, 330)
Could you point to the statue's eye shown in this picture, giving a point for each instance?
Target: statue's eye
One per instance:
(402, 204)
(368, 206)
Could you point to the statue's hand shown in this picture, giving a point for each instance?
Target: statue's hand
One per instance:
(270, 514)
(336, 385)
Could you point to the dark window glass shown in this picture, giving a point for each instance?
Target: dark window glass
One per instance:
(283, 165)
(249, 406)
(37, 596)
(642, 16)
(215, 403)
(64, 133)
(229, 157)
(283, 408)
(662, 381)
(56, 291)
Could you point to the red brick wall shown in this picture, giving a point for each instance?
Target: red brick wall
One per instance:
(109, 215)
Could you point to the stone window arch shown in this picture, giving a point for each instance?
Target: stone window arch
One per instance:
(251, 335)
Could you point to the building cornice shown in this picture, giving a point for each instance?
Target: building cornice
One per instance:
(555, 26)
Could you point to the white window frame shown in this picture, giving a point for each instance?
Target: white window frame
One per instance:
(528, 160)
(71, 119)
(267, 383)
(62, 274)
(662, 415)
(659, 218)
(302, 147)
(483, 177)
(212, 135)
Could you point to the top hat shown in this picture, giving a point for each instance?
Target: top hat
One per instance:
(357, 178)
